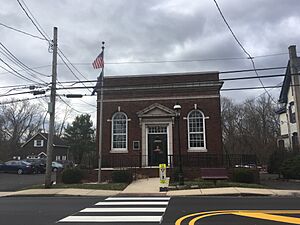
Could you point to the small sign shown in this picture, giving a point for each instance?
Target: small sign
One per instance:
(162, 173)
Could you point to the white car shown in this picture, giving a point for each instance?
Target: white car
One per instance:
(57, 166)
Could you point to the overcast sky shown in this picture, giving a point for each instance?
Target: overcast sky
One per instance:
(151, 30)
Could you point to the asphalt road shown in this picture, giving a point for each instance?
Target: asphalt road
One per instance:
(50, 210)
(15, 182)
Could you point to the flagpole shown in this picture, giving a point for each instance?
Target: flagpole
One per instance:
(101, 118)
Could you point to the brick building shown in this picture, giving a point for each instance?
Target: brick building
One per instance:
(139, 120)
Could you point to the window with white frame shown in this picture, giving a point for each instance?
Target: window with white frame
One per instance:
(196, 130)
(38, 143)
(119, 131)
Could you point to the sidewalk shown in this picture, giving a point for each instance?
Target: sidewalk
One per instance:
(151, 186)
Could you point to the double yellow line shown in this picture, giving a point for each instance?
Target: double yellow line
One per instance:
(257, 214)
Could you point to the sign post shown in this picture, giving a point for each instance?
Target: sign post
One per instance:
(163, 177)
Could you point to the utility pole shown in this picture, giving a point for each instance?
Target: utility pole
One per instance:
(51, 111)
(294, 64)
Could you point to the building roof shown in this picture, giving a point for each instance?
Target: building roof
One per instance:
(281, 110)
(57, 141)
(283, 97)
(153, 82)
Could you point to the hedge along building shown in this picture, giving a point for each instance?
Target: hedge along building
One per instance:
(139, 128)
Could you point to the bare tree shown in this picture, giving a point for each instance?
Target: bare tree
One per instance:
(251, 127)
(64, 115)
(19, 121)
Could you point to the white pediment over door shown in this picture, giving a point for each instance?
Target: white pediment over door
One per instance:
(156, 110)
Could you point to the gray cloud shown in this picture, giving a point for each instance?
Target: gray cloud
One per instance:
(154, 30)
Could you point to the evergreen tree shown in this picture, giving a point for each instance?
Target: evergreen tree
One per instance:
(80, 137)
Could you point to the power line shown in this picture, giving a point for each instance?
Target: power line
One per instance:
(36, 26)
(251, 70)
(17, 74)
(242, 47)
(71, 71)
(23, 32)
(19, 63)
(41, 28)
(71, 93)
(69, 105)
(252, 88)
(71, 64)
(222, 79)
(44, 34)
(24, 99)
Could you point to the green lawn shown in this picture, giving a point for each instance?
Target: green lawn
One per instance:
(210, 184)
(96, 186)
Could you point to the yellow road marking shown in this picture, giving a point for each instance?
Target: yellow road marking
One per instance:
(262, 213)
(193, 221)
(264, 216)
(178, 221)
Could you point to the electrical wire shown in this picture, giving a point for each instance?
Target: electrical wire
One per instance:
(44, 34)
(23, 32)
(69, 105)
(71, 93)
(19, 63)
(72, 71)
(71, 63)
(15, 73)
(242, 47)
(24, 99)
(38, 27)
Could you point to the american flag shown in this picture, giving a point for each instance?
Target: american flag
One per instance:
(99, 61)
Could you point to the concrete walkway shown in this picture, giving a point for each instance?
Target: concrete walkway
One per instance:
(151, 187)
(148, 186)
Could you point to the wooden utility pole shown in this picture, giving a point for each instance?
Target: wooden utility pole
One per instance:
(51, 111)
(294, 64)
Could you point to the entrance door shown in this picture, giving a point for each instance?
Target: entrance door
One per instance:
(157, 146)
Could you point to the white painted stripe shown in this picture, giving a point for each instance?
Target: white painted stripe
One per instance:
(137, 198)
(124, 210)
(131, 203)
(111, 219)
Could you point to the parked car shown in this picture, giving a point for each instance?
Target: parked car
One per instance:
(66, 163)
(38, 164)
(17, 166)
(57, 166)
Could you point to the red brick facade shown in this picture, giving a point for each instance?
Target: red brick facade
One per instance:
(147, 101)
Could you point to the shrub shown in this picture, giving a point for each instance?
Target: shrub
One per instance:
(175, 174)
(275, 161)
(244, 175)
(290, 168)
(121, 176)
(72, 176)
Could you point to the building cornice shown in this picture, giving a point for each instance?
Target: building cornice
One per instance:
(160, 98)
(201, 84)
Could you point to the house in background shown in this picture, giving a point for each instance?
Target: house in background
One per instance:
(36, 147)
(140, 123)
(288, 113)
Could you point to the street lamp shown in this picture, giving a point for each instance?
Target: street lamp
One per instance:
(177, 109)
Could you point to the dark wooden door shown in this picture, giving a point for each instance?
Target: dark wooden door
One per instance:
(157, 149)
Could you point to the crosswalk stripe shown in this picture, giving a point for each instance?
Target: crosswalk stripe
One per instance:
(112, 219)
(132, 203)
(113, 210)
(123, 210)
(137, 198)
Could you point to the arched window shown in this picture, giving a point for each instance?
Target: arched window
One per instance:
(119, 131)
(196, 131)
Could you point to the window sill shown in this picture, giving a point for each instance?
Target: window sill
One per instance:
(198, 150)
(118, 151)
